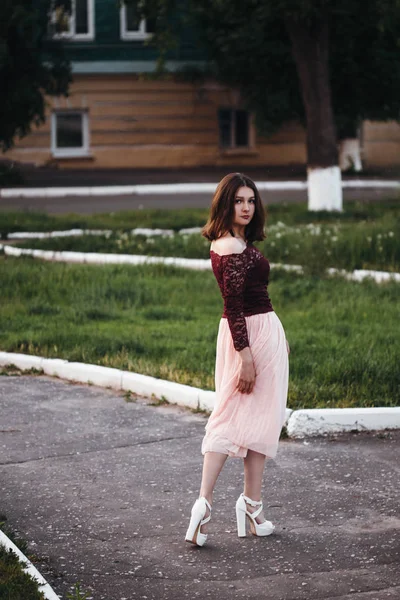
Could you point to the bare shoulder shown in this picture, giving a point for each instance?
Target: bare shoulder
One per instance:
(227, 245)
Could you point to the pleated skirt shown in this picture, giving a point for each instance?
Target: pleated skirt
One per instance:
(241, 422)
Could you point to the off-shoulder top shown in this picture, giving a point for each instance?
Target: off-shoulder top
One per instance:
(242, 279)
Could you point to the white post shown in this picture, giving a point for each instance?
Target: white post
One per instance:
(350, 154)
(325, 188)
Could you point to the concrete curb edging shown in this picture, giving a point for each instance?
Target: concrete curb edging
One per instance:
(146, 231)
(29, 568)
(176, 188)
(198, 264)
(299, 423)
(317, 421)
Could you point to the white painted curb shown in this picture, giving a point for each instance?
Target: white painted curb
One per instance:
(198, 264)
(317, 421)
(175, 188)
(299, 423)
(143, 385)
(44, 587)
(40, 235)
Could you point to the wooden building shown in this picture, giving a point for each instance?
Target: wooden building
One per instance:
(114, 117)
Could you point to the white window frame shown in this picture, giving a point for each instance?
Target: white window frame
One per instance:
(84, 150)
(70, 34)
(139, 34)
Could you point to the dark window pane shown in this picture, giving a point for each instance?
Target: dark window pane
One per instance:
(242, 128)
(132, 18)
(69, 131)
(225, 124)
(150, 25)
(81, 16)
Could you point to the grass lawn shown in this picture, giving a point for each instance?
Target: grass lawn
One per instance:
(365, 236)
(162, 321)
(291, 214)
(15, 584)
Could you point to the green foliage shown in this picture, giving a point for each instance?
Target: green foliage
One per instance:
(248, 47)
(365, 236)
(77, 593)
(14, 582)
(32, 64)
(163, 321)
(175, 219)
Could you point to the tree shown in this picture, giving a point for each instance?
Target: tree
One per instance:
(32, 64)
(305, 26)
(365, 72)
(303, 60)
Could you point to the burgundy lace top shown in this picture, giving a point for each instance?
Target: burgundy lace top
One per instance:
(243, 280)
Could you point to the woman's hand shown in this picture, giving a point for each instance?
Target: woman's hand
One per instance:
(247, 377)
(287, 346)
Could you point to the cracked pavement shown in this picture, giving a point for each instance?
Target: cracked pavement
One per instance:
(102, 488)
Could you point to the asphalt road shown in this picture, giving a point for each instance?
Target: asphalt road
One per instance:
(101, 488)
(102, 204)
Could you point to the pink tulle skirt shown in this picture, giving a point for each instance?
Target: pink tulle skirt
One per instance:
(241, 422)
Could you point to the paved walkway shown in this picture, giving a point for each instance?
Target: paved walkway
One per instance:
(103, 489)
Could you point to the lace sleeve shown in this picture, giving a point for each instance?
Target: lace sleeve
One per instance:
(234, 271)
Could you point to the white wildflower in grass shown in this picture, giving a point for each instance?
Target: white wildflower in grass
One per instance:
(272, 243)
(328, 252)
(390, 234)
(369, 238)
(379, 236)
(334, 238)
(150, 240)
(315, 229)
(278, 235)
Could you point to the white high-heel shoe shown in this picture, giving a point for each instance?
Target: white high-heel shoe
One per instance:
(260, 529)
(193, 534)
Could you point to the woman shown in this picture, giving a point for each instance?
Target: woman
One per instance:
(252, 366)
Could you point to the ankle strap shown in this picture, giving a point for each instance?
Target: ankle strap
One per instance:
(206, 501)
(251, 502)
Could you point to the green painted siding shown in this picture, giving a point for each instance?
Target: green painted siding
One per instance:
(108, 46)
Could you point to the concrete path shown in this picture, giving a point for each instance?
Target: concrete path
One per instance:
(102, 489)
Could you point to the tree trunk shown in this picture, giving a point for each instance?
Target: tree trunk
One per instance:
(310, 48)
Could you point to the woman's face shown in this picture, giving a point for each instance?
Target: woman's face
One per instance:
(245, 206)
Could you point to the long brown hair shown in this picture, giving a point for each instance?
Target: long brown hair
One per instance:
(223, 209)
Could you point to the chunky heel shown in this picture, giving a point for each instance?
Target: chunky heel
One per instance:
(259, 529)
(241, 522)
(193, 534)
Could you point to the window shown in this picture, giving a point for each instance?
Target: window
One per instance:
(134, 28)
(70, 133)
(234, 125)
(79, 25)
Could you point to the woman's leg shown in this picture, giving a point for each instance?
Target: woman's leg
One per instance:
(212, 466)
(253, 476)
